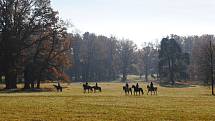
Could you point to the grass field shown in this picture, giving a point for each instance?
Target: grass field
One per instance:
(190, 103)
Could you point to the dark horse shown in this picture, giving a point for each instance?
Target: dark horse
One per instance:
(137, 89)
(87, 87)
(58, 88)
(127, 90)
(97, 88)
(152, 89)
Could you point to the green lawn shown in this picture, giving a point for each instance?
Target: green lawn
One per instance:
(193, 103)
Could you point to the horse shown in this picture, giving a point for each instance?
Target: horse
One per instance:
(97, 88)
(153, 89)
(137, 89)
(58, 88)
(87, 87)
(127, 90)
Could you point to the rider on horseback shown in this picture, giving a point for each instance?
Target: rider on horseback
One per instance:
(126, 85)
(151, 85)
(86, 83)
(137, 85)
(96, 84)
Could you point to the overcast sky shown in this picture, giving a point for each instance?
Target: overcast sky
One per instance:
(139, 20)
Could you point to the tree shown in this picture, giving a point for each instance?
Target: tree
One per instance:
(94, 57)
(126, 51)
(211, 54)
(27, 28)
(169, 56)
(76, 47)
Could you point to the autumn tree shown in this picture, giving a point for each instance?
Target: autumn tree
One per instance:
(28, 27)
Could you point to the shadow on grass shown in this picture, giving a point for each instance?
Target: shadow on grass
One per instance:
(26, 90)
(208, 95)
(177, 85)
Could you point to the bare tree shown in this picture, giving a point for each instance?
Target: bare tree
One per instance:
(126, 51)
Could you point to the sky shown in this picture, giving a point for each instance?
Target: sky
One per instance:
(139, 20)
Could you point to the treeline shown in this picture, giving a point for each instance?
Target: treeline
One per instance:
(187, 58)
(34, 45)
(174, 58)
(100, 58)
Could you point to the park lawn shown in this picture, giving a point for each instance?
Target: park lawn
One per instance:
(190, 103)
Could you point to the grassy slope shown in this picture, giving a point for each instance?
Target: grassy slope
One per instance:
(192, 103)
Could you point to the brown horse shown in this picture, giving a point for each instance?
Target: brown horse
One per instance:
(97, 88)
(58, 88)
(137, 89)
(152, 89)
(87, 87)
(127, 90)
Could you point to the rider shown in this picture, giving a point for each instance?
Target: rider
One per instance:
(126, 85)
(96, 84)
(151, 85)
(137, 85)
(86, 83)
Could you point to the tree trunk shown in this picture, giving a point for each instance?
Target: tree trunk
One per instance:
(11, 80)
(38, 84)
(26, 79)
(146, 74)
(32, 83)
(124, 77)
(212, 74)
(140, 75)
(26, 84)
(171, 76)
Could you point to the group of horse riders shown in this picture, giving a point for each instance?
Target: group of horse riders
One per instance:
(126, 88)
(137, 89)
(89, 88)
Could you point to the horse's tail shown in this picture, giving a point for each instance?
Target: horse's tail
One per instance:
(156, 90)
(141, 91)
(91, 88)
(130, 90)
